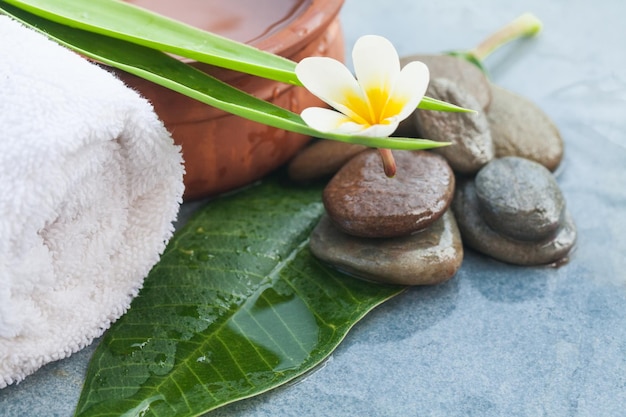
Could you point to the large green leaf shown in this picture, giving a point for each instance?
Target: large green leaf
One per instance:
(236, 306)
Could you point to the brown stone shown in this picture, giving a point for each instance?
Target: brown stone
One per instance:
(429, 257)
(321, 160)
(520, 128)
(362, 201)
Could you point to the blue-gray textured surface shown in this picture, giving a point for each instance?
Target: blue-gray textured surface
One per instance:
(496, 340)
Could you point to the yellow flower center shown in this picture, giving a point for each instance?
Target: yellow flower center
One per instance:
(376, 109)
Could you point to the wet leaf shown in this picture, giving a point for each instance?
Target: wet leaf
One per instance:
(236, 306)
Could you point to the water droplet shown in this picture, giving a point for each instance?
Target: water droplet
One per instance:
(205, 256)
(294, 103)
(144, 407)
(275, 93)
(322, 48)
(188, 252)
(203, 359)
(160, 359)
(102, 381)
(140, 345)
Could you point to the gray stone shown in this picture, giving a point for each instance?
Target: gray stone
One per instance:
(471, 145)
(322, 159)
(428, 257)
(464, 74)
(520, 128)
(519, 198)
(477, 234)
(363, 201)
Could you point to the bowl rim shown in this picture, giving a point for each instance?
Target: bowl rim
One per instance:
(308, 23)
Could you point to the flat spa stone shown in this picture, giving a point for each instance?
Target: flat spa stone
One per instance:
(321, 160)
(463, 73)
(362, 201)
(469, 133)
(429, 257)
(520, 128)
(477, 234)
(519, 198)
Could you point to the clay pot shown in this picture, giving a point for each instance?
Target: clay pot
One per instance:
(222, 151)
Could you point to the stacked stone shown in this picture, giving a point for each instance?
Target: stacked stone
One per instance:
(392, 230)
(508, 125)
(507, 202)
(515, 212)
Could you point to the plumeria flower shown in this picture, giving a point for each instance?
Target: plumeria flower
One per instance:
(372, 104)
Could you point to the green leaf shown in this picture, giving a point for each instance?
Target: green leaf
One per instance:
(469, 57)
(236, 306)
(169, 72)
(428, 103)
(125, 21)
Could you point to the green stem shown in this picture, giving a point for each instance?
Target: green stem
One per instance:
(525, 25)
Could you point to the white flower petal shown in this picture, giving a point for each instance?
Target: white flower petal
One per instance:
(324, 120)
(351, 128)
(379, 131)
(410, 87)
(372, 104)
(331, 82)
(376, 63)
(330, 121)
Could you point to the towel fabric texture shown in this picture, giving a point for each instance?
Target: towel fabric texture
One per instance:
(90, 183)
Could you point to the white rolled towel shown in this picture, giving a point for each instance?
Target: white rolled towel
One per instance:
(90, 183)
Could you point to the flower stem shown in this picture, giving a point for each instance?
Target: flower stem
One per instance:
(389, 163)
(525, 25)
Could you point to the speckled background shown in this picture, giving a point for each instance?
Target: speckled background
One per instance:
(496, 340)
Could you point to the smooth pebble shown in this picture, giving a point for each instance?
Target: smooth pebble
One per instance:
(321, 159)
(463, 73)
(520, 128)
(428, 257)
(471, 145)
(520, 198)
(362, 201)
(477, 234)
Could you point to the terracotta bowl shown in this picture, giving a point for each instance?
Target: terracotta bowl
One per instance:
(221, 151)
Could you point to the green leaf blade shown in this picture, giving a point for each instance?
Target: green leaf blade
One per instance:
(171, 73)
(429, 103)
(125, 21)
(236, 306)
